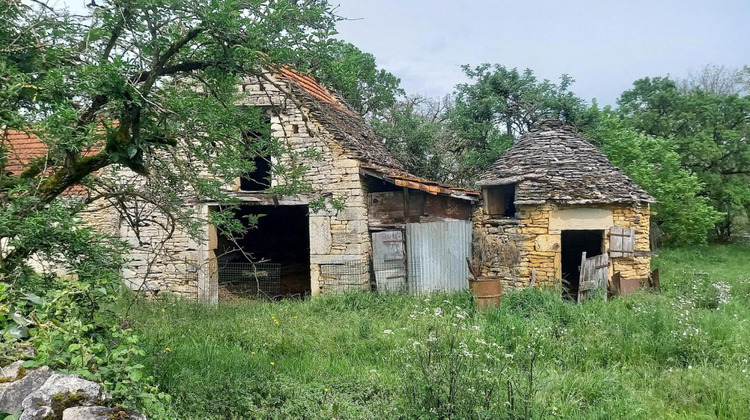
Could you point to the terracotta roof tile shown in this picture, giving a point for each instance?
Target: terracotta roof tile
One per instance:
(23, 147)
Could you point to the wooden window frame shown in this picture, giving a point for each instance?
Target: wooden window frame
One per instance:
(503, 203)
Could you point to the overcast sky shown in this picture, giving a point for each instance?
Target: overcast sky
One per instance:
(604, 44)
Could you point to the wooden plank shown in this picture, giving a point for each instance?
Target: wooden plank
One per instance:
(594, 275)
(389, 260)
(621, 242)
(388, 208)
(442, 207)
(582, 277)
(628, 245)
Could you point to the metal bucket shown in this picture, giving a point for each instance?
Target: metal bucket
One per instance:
(487, 292)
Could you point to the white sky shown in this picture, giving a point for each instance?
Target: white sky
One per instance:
(604, 45)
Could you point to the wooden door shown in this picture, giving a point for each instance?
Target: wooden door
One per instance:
(594, 276)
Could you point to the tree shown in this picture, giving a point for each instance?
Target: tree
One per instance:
(417, 134)
(710, 132)
(122, 86)
(500, 105)
(683, 215)
(356, 77)
(716, 79)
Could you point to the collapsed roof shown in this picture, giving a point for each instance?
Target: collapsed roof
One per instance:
(355, 134)
(554, 163)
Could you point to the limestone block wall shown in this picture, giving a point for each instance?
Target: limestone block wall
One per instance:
(339, 239)
(160, 262)
(536, 235)
(497, 245)
(638, 218)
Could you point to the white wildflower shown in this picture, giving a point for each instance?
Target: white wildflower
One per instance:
(387, 332)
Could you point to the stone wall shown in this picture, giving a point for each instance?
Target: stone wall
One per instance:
(513, 249)
(339, 239)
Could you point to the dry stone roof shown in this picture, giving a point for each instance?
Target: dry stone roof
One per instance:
(347, 127)
(555, 163)
(355, 135)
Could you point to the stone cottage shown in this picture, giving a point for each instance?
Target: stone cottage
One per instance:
(548, 199)
(304, 250)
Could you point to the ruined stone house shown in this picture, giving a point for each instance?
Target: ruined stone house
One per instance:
(392, 225)
(548, 199)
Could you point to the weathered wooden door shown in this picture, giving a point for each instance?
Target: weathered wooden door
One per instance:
(389, 261)
(437, 253)
(594, 276)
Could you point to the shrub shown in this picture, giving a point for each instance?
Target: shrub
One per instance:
(71, 327)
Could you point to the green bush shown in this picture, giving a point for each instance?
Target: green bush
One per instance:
(71, 327)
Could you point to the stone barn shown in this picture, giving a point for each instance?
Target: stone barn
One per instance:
(551, 198)
(390, 230)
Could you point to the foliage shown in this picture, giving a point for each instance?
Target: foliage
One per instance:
(501, 104)
(681, 354)
(125, 84)
(709, 131)
(682, 216)
(356, 77)
(417, 134)
(71, 328)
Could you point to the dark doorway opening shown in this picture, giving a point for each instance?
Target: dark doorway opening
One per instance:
(573, 244)
(279, 247)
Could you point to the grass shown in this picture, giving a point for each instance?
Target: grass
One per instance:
(682, 354)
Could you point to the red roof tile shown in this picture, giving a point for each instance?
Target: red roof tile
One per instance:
(23, 147)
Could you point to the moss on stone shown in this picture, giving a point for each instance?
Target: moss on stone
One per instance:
(63, 401)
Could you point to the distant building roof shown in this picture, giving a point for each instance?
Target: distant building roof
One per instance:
(555, 163)
(22, 148)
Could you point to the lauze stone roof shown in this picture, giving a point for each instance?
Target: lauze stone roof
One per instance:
(555, 163)
(355, 135)
(348, 127)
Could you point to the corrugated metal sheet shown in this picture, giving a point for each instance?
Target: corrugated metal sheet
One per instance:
(437, 255)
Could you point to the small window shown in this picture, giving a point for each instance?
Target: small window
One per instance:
(500, 200)
(257, 145)
(260, 178)
(621, 242)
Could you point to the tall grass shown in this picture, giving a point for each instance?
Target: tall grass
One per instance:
(682, 354)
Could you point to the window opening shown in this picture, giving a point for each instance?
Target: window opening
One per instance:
(500, 200)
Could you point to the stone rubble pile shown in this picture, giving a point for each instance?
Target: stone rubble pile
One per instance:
(41, 394)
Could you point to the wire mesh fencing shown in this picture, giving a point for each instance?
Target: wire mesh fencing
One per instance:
(396, 276)
(248, 280)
